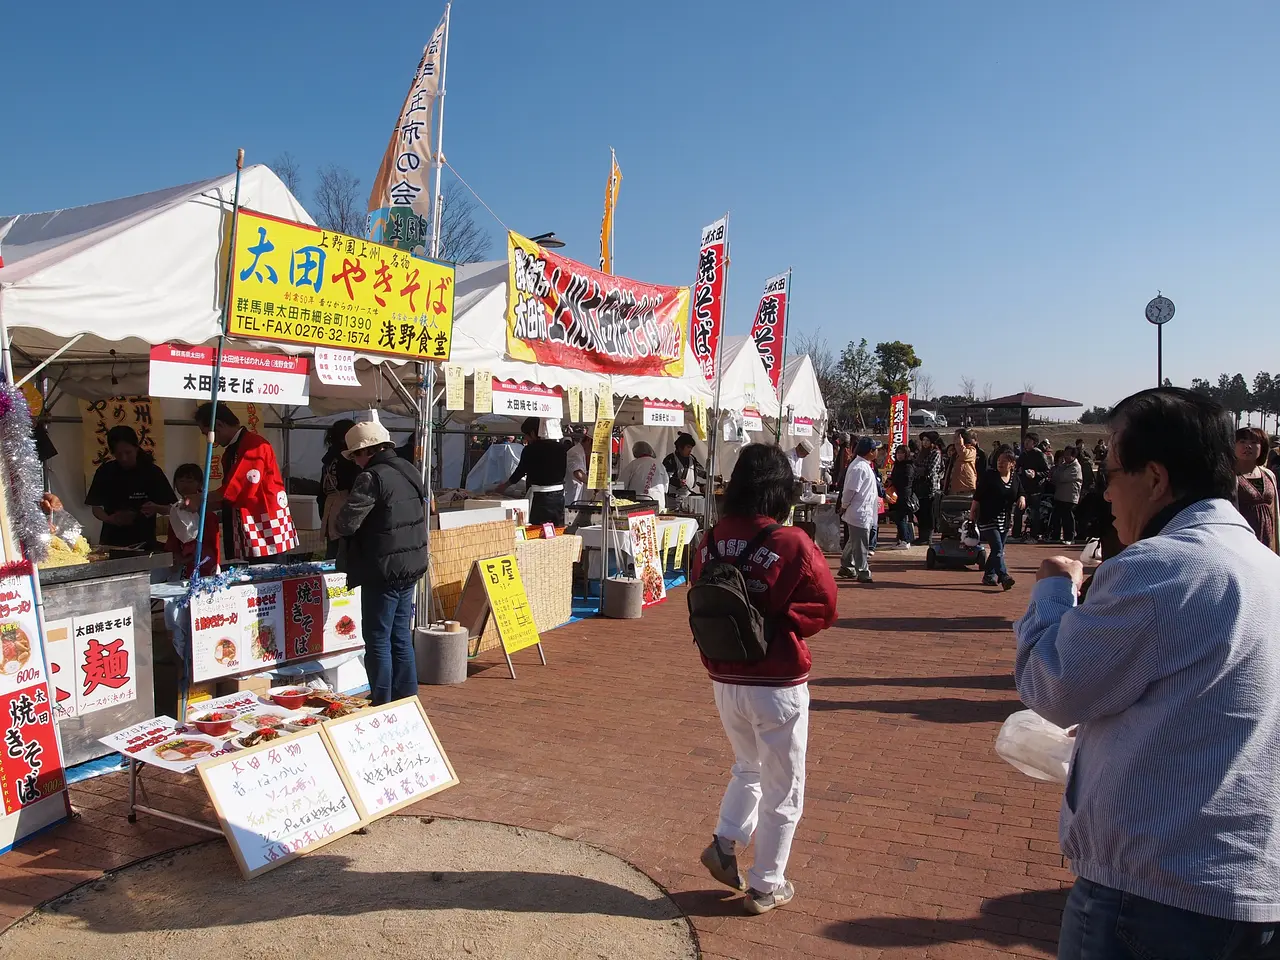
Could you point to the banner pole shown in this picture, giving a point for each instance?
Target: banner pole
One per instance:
(427, 370)
(217, 374)
(438, 160)
(709, 501)
(782, 374)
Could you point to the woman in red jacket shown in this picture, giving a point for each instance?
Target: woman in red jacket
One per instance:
(764, 705)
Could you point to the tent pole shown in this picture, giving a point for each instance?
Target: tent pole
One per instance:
(217, 375)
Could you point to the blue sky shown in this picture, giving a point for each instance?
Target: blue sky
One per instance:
(1002, 184)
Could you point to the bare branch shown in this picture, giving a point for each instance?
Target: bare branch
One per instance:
(967, 387)
(289, 171)
(339, 206)
(462, 239)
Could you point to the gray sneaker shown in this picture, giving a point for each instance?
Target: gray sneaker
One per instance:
(723, 867)
(757, 903)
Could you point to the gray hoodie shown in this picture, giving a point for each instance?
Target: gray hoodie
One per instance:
(1067, 480)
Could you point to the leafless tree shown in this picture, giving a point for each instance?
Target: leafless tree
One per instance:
(986, 391)
(462, 239)
(826, 365)
(338, 204)
(922, 385)
(288, 169)
(1028, 386)
(967, 387)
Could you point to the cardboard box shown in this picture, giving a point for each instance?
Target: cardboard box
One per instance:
(258, 685)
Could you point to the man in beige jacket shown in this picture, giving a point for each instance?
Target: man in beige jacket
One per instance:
(962, 472)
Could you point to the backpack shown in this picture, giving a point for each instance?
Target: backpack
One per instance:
(725, 624)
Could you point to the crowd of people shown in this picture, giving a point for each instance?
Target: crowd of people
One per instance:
(1161, 663)
(1031, 495)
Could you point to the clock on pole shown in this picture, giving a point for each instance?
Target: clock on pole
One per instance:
(1160, 311)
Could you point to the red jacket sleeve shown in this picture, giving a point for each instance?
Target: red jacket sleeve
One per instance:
(812, 607)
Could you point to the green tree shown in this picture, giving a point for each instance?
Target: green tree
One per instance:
(1264, 395)
(859, 369)
(1094, 415)
(1233, 393)
(896, 360)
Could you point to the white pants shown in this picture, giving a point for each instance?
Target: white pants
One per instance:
(769, 730)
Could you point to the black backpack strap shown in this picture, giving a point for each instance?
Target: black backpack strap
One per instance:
(756, 542)
(709, 541)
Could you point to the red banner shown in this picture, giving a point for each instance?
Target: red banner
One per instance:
(563, 313)
(30, 764)
(708, 297)
(303, 617)
(769, 330)
(899, 406)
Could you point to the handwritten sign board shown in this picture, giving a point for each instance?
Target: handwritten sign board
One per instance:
(392, 756)
(280, 800)
(494, 586)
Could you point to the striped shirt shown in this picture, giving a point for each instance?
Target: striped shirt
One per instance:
(1172, 669)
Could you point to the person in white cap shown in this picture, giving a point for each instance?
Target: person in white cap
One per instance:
(797, 455)
(384, 552)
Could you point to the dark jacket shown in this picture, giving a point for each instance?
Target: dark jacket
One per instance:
(384, 525)
(903, 479)
(1033, 459)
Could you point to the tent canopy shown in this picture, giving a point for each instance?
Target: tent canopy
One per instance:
(480, 341)
(139, 271)
(802, 393)
(1026, 400)
(128, 273)
(744, 379)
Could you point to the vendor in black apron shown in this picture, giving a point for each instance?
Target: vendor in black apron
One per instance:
(127, 492)
(542, 465)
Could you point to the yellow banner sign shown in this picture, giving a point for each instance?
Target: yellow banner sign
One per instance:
(295, 283)
(509, 603)
(598, 473)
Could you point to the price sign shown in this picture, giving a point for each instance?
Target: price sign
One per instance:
(186, 372)
(337, 368)
(660, 413)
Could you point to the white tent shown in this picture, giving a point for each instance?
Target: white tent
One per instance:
(122, 275)
(802, 397)
(744, 383)
(118, 276)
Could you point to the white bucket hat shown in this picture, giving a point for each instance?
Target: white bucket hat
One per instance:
(363, 435)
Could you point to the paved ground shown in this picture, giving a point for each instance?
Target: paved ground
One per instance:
(917, 841)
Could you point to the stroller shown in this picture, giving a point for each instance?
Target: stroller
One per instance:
(958, 545)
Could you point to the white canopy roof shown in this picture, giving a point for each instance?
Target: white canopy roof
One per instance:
(800, 389)
(128, 273)
(744, 379)
(480, 340)
(139, 271)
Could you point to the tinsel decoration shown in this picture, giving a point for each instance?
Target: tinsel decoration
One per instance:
(26, 479)
(235, 576)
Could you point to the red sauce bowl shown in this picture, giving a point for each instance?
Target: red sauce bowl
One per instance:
(213, 728)
(291, 698)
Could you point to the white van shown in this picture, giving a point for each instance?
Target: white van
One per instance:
(926, 418)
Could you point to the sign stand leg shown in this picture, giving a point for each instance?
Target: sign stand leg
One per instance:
(133, 790)
(511, 666)
(542, 655)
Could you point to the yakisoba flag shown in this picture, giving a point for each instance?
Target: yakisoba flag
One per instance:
(769, 329)
(563, 313)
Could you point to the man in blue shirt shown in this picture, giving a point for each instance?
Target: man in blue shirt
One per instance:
(1171, 668)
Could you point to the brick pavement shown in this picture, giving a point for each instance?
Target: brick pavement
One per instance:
(916, 841)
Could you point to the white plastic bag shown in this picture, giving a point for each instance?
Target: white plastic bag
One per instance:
(1035, 746)
(1091, 555)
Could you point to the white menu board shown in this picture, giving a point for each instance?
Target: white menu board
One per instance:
(105, 661)
(280, 800)
(341, 614)
(391, 755)
(264, 625)
(163, 742)
(218, 635)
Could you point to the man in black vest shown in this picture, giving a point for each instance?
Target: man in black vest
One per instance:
(384, 552)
